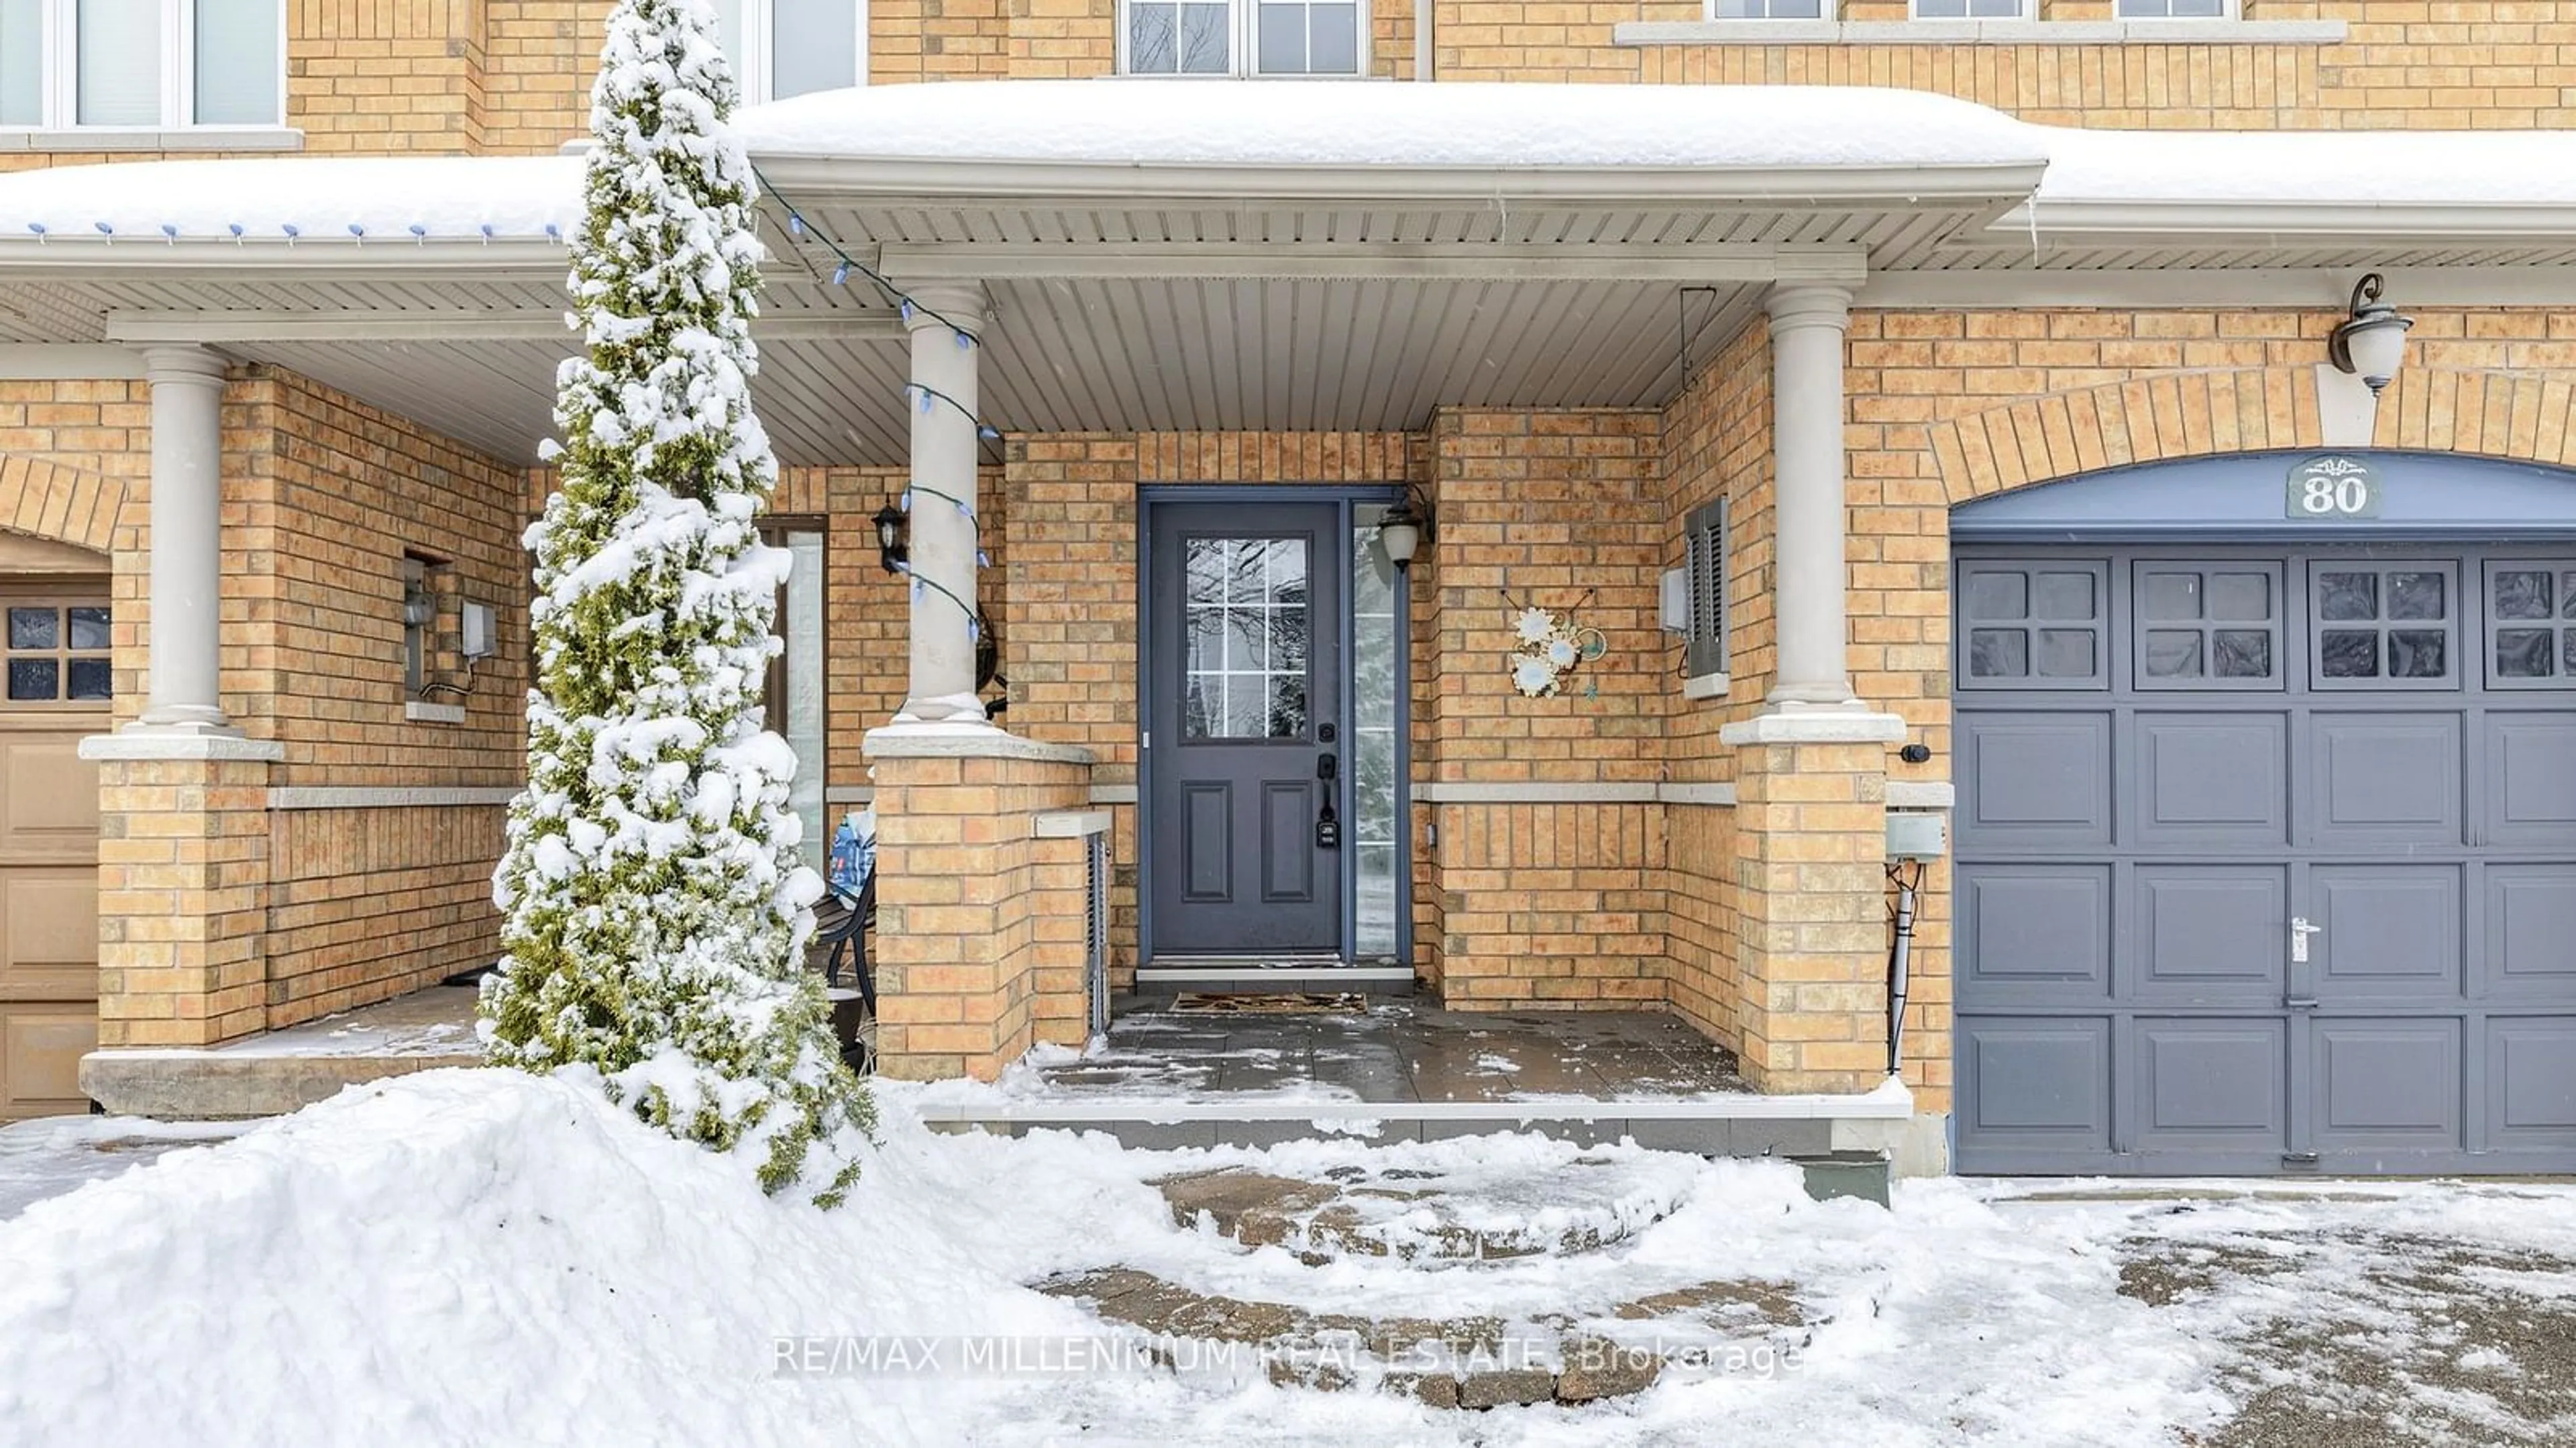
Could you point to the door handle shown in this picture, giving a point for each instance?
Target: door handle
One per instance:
(1325, 766)
(2300, 930)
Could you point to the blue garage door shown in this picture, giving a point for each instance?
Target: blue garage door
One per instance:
(2266, 857)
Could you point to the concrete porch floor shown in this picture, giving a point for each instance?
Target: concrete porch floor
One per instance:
(1396, 1051)
(276, 1072)
(1410, 1070)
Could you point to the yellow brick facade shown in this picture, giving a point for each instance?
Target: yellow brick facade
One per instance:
(1756, 921)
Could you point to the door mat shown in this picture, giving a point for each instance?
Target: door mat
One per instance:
(1270, 1003)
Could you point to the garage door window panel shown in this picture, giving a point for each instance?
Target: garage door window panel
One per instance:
(2531, 624)
(2388, 625)
(2208, 626)
(2034, 627)
(57, 653)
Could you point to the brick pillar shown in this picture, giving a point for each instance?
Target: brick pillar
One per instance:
(183, 889)
(972, 902)
(1811, 898)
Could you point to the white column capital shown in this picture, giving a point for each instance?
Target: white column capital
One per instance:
(184, 365)
(942, 304)
(1809, 304)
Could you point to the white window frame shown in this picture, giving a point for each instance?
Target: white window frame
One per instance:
(2021, 11)
(1243, 32)
(1825, 10)
(2235, 11)
(59, 109)
(751, 71)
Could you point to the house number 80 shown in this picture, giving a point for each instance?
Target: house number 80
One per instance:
(2333, 487)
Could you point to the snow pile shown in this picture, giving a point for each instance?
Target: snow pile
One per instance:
(487, 1257)
(1368, 123)
(2422, 168)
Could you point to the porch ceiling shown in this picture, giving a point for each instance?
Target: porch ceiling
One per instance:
(1080, 355)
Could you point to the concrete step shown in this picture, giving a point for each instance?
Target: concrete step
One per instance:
(282, 1071)
(1416, 1215)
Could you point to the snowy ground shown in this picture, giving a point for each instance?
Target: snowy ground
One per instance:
(475, 1257)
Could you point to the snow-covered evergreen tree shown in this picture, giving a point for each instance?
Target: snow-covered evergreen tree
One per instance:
(656, 905)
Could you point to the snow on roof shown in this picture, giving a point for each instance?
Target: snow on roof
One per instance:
(401, 200)
(2416, 168)
(393, 199)
(1370, 123)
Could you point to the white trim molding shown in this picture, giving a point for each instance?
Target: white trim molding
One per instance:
(119, 141)
(1071, 824)
(146, 741)
(1978, 32)
(1528, 792)
(68, 362)
(2288, 288)
(397, 796)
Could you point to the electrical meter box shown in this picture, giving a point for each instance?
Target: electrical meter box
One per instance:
(1917, 835)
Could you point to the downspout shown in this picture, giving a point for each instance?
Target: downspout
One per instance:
(1907, 876)
(1422, 39)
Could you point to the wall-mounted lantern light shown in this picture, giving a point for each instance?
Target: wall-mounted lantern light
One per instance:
(1403, 527)
(2371, 342)
(891, 552)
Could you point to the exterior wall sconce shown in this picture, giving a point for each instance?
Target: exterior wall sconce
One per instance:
(891, 552)
(1403, 528)
(2371, 342)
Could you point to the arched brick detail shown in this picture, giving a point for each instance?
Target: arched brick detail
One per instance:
(47, 500)
(2519, 416)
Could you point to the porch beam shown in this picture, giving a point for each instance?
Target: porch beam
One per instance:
(1376, 261)
(516, 324)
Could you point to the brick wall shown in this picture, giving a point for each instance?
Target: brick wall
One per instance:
(972, 913)
(1560, 510)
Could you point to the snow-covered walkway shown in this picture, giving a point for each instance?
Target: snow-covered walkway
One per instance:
(477, 1257)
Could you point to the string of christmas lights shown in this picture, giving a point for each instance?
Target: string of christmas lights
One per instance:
(844, 265)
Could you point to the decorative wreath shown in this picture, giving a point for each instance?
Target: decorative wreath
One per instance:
(1550, 646)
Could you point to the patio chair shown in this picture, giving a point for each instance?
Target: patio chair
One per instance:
(847, 935)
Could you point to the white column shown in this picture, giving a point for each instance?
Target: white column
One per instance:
(941, 537)
(185, 693)
(1807, 325)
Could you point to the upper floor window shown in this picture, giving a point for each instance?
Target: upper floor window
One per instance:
(1971, 9)
(2176, 9)
(142, 63)
(1768, 10)
(1244, 37)
(783, 48)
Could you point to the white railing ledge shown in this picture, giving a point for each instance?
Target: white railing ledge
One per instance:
(1979, 32)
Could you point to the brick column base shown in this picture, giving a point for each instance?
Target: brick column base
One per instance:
(1811, 898)
(182, 888)
(979, 918)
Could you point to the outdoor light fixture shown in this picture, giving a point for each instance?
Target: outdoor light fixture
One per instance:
(891, 552)
(1403, 527)
(2372, 341)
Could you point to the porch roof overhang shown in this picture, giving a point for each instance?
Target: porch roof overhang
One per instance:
(1174, 255)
